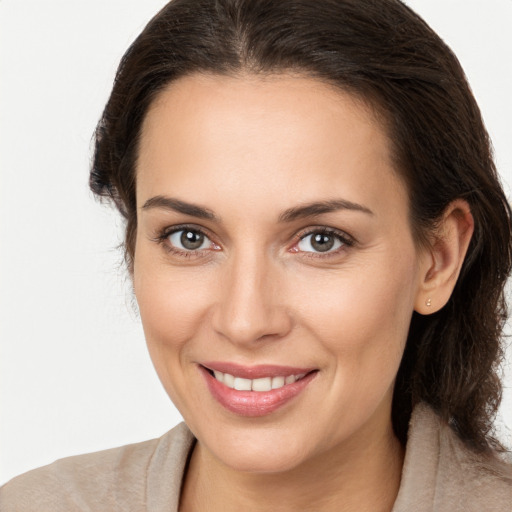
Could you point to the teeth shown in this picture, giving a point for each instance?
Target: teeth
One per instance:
(263, 384)
(290, 379)
(229, 380)
(277, 382)
(242, 384)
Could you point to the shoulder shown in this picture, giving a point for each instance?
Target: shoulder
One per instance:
(110, 480)
(441, 473)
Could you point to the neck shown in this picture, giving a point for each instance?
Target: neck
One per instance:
(353, 477)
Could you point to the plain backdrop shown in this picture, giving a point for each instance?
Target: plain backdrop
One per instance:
(74, 373)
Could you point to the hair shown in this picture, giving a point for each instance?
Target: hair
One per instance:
(385, 54)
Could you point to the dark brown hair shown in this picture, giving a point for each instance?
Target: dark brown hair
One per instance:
(382, 52)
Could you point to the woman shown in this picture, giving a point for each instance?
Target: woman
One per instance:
(318, 244)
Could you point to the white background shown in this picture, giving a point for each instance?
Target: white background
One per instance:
(74, 373)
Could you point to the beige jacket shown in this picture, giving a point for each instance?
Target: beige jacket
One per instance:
(439, 474)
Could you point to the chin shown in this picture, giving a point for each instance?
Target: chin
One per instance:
(257, 457)
(259, 445)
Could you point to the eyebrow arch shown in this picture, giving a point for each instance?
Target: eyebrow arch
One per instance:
(317, 208)
(173, 204)
(289, 215)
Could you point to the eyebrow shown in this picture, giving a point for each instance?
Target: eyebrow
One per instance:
(289, 215)
(318, 208)
(170, 203)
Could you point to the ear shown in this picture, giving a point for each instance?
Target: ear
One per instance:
(441, 263)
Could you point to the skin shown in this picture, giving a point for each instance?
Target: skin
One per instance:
(248, 149)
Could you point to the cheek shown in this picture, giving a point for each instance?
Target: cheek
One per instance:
(171, 309)
(172, 304)
(362, 315)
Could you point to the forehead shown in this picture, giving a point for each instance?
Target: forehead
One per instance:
(296, 99)
(300, 137)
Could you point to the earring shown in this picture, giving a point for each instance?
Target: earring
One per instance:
(428, 302)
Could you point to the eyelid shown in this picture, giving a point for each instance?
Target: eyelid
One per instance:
(346, 239)
(162, 237)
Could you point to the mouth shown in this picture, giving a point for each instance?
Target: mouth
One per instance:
(255, 391)
(259, 385)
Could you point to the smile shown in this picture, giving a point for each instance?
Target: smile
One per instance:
(270, 387)
(259, 385)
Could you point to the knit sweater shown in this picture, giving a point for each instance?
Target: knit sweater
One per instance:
(439, 474)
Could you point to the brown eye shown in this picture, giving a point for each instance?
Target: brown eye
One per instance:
(189, 240)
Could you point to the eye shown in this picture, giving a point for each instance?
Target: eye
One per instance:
(189, 240)
(321, 242)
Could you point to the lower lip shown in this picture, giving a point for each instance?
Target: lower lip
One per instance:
(254, 403)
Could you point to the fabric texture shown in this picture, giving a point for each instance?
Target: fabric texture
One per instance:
(439, 475)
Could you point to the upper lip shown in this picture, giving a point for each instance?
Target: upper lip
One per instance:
(255, 372)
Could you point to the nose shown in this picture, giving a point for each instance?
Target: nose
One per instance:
(250, 308)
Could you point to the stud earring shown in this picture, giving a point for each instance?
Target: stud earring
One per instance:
(428, 302)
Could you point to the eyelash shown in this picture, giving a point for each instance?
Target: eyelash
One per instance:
(163, 239)
(346, 241)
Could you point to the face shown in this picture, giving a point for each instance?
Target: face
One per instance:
(274, 266)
